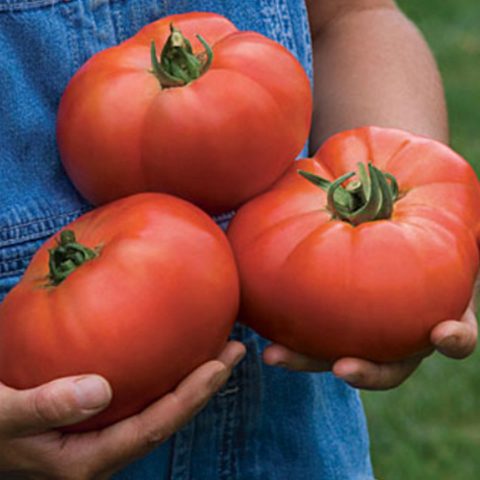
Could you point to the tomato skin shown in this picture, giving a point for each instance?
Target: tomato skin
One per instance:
(119, 133)
(158, 301)
(327, 289)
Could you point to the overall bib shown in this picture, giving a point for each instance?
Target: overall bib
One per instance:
(266, 423)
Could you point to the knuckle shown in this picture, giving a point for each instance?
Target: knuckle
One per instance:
(144, 438)
(151, 436)
(51, 406)
(154, 437)
(196, 404)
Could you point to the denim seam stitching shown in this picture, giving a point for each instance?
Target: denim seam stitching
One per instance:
(12, 273)
(69, 12)
(14, 5)
(42, 220)
(27, 238)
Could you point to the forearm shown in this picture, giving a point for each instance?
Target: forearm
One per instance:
(372, 67)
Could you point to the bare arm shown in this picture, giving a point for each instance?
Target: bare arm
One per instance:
(372, 67)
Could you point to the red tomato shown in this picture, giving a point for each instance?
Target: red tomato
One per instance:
(331, 280)
(127, 124)
(156, 297)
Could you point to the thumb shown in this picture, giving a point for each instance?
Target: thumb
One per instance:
(58, 403)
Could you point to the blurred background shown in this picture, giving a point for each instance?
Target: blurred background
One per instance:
(429, 428)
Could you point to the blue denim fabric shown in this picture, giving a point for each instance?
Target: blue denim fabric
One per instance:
(266, 423)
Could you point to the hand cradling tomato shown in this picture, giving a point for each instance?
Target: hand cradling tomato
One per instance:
(369, 267)
(141, 291)
(189, 106)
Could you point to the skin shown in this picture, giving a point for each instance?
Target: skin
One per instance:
(133, 234)
(361, 79)
(30, 449)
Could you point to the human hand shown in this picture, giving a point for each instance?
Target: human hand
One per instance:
(455, 339)
(30, 449)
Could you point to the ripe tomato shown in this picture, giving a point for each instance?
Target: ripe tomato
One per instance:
(155, 297)
(214, 125)
(364, 271)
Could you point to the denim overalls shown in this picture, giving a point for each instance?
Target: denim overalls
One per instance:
(266, 423)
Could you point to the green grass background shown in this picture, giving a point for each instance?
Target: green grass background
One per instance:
(429, 428)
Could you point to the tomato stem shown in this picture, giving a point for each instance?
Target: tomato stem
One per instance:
(370, 197)
(67, 256)
(178, 65)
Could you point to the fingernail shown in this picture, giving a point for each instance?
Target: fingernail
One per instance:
(92, 392)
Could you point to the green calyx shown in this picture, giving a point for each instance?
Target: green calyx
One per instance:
(178, 65)
(370, 197)
(66, 257)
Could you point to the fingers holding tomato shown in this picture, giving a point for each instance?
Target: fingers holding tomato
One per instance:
(140, 291)
(367, 268)
(29, 447)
